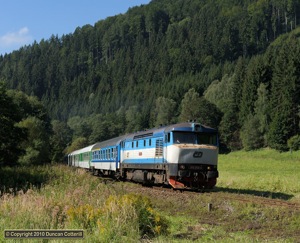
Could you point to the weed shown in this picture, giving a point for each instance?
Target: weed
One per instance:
(59, 197)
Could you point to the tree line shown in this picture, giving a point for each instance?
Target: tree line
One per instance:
(29, 136)
(230, 64)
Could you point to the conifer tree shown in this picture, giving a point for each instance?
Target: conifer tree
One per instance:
(284, 95)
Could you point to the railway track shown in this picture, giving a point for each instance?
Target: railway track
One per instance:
(243, 198)
(264, 201)
(237, 197)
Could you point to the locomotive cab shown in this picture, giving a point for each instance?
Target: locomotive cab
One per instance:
(192, 154)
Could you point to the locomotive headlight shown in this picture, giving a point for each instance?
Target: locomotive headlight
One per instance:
(208, 168)
(182, 167)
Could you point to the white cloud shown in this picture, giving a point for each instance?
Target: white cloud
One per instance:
(19, 38)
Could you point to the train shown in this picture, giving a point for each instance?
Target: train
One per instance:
(182, 156)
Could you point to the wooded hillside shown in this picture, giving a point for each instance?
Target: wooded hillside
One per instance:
(230, 64)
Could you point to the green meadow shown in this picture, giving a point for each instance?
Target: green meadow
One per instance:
(59, 197)
(266, 172)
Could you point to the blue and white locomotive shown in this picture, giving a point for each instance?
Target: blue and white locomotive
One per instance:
(183, 155)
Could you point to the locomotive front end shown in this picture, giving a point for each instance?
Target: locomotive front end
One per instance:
(192, 156)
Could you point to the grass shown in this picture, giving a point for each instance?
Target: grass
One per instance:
(73, 199)
(263, 173)
(59, 197)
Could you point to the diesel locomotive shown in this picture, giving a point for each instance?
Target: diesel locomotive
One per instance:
(183, 155)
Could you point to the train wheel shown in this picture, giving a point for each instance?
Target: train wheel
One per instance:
(210, 183)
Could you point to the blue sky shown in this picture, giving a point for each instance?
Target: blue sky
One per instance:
(23, 21)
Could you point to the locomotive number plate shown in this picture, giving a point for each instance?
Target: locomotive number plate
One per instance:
(195, 167)
(197, 154)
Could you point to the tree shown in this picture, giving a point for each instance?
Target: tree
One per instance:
(37, 143)
(189, 106)
(198, 108)
(221, 92)
(36, 123)
(250, 133)
(79, 126)
(61, 137)
(78, 143)
(133, 119)
(261, 109)
(100, 130)
(284, 96)
(162, 50)
(11, 136)
(208, 113)
(254, 76)
(164, 111)
(230, 129)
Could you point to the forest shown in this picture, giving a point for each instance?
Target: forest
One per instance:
(230, 64)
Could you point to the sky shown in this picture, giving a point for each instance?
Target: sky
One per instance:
(24, 21)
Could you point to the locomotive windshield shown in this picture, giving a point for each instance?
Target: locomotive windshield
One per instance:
(195, 138)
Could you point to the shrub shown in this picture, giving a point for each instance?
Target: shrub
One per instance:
(127, 217)
(294, 142)
(138, 211)
(84, 216)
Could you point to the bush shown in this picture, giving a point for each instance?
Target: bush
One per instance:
(294, 142)
(127, 217)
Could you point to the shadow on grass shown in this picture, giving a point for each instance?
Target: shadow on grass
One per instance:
(14, 179)
(267, 194)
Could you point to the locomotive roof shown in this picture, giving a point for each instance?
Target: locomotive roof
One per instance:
(184, 127)
(189, 126)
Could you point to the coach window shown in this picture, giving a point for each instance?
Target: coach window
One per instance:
(137, 143)
(144, 143)
(150, 142)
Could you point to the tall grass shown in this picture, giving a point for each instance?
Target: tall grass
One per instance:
(59, 197)
(73, 199)
(265, 171)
